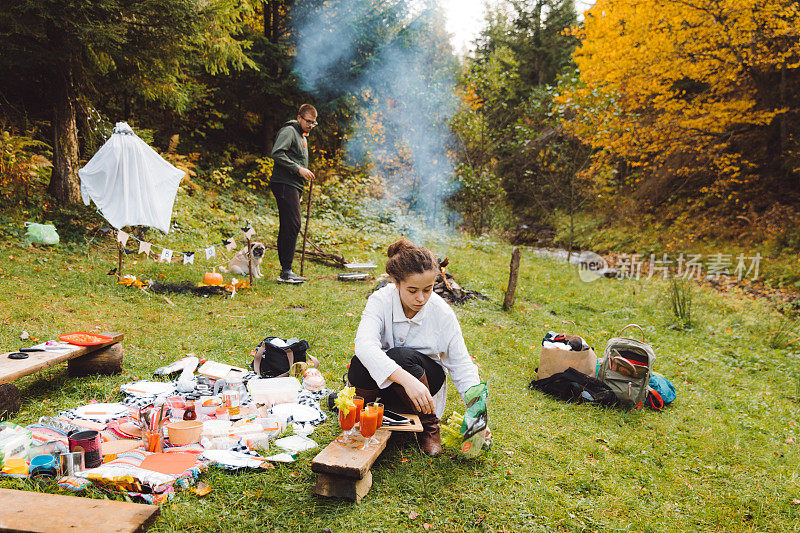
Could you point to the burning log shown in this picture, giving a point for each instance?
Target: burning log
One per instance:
(446, 287)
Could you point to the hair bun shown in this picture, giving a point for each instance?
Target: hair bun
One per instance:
(398, 246)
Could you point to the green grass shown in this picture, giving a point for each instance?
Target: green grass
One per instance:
(724, 457)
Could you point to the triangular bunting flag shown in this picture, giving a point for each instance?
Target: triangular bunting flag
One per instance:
(166, 256)
(230, 244)
(188, 258)
(122, 237)
(249, 232)
(144, 247)
(211, 251)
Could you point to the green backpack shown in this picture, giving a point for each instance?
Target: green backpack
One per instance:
(626, 368)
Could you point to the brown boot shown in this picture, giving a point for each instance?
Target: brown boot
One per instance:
(429, 440)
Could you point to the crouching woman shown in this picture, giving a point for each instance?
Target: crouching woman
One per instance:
(407, 339)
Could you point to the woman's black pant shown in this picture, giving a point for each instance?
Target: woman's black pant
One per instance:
(288, 200)
(412, 361)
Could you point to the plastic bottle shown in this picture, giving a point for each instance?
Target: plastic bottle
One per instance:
(231, 397)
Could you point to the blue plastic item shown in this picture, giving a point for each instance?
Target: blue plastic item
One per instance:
(663, 387)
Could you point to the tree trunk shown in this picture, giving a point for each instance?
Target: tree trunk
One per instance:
(269, 132)
(64, 183)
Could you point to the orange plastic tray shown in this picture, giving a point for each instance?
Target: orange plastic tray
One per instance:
(82, 338)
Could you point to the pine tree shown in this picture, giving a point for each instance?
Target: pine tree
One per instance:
(60, 52)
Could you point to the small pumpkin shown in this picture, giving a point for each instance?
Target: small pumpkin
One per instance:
(212, 278)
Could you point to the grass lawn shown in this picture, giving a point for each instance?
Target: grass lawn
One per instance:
(723, 457)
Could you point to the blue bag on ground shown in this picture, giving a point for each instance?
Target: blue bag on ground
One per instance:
(662, 386)
(41, 233)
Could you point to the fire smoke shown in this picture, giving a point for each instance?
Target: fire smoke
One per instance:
(403, 87)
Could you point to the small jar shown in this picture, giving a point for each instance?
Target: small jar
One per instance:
(189, 413)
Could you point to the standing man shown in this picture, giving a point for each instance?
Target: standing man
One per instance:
(289, 175)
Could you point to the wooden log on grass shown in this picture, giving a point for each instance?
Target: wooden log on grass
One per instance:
(106, 361)
(508, 301)
(10, 401)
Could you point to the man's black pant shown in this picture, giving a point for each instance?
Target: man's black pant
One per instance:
(412, 361)
(288, 199)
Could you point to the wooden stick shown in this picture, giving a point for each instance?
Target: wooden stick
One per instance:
(119, 263)
(250, 261)
(305, 233)
(508, 301)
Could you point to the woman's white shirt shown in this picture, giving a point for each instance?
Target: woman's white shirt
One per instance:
(433, 331)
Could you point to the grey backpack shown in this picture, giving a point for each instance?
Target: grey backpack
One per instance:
(627, 367)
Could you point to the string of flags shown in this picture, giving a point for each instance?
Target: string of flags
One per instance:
(167, 254)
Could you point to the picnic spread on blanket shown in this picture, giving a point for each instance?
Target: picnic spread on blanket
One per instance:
(196, 414)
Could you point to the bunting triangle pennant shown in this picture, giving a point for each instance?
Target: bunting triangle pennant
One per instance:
(122, 237)
(249, 232)
(166, 256)
(211, 251)
(230, 244)
(144, 247)
(188, 258)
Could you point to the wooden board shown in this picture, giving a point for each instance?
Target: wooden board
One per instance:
(37, 512)
(12, 369)
(346, 459)
(415, 426)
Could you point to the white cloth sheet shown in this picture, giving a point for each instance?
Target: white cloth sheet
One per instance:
(130, 183)
(434, 331)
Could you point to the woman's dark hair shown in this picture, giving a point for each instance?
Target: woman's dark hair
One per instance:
(406, 258)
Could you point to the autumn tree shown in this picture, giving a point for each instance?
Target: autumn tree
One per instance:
(693, 98)
(508, 136)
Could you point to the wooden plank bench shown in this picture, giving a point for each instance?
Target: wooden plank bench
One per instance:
(81, 360)
(45, 513)
(343, 470)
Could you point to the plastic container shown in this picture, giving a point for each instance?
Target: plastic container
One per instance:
(208, 405)
(15, 466)
(44, 465)
(272, 391)
(184, 432)
(271, 425)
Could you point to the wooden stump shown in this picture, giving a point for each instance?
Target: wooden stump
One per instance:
(508, 301)
(10, 401)
(105, 361)
(343, 487)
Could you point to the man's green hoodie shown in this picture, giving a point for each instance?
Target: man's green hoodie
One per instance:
(290, 152)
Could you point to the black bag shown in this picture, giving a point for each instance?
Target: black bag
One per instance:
(575, 387)
(269, 361)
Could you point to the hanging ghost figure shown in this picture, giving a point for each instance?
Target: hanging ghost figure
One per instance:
(130, 183)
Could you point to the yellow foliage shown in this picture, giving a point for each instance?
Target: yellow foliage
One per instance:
(665, 80)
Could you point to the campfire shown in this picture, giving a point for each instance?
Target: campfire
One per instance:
(446, 287)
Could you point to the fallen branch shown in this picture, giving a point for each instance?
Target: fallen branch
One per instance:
(319, 255)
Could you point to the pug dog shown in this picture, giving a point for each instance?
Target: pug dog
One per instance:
(239, 263)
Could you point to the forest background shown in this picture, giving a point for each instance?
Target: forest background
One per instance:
(656, 126)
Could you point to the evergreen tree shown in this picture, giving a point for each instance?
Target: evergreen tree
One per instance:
(61, 53)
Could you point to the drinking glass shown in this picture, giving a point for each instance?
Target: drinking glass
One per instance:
(379, 407)
(346, 422)
(369, 425)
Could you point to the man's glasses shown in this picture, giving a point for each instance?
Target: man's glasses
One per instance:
(311, 123)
